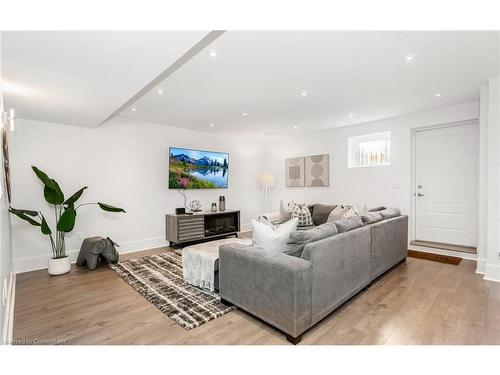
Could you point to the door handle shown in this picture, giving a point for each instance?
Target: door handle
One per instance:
(420, 195)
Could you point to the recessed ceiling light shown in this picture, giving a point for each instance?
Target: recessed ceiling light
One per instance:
(160, 91)
(244, 114)
(303, 93)
(351, 115)
(213, 53)
(409, 57)
(295, 126)
(133, 109)
(212, 125)
(261, 134)
(437, 95)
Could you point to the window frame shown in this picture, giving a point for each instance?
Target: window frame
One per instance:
(354, 142)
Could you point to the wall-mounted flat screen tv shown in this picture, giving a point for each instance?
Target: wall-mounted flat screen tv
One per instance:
(197, 169)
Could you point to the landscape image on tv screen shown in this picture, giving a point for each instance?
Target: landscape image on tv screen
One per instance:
(196, 169)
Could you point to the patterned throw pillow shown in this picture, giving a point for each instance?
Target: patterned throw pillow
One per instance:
(303, 215)
(350, 212)
(337, 213)
(286, 211)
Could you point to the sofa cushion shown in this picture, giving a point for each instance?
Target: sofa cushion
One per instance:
(314, 234)
(300, 238)
(303, 215)
(380, 208)
(294, 249)
(272, 238)
(320, 213)
(306, 228)
(390, 212)
(371, 217)
(348, 224)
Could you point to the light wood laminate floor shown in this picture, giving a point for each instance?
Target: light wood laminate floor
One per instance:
(420, 302)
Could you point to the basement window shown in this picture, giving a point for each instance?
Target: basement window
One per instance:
(370, 150)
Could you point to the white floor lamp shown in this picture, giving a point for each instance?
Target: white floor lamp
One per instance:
(266, 182)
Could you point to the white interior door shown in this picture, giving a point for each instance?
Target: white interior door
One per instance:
(446, 179)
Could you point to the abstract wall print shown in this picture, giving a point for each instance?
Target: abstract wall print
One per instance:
(295, 172)
(317, 170)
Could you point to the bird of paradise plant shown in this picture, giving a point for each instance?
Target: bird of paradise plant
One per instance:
(65, 212)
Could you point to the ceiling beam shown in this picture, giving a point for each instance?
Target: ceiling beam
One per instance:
(192, 52)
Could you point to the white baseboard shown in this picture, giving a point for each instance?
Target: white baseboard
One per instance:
(432, 250)
(22, 265)
(492, 272)
(481, 266)
(9, 311)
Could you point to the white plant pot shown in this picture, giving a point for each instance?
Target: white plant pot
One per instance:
(59, 266)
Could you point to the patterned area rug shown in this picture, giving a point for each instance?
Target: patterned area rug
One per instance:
(159, 279)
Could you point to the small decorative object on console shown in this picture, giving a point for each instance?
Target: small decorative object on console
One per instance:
(195, 206)
(214, 207)
(180, 211)
(96, 248)
(222, 203)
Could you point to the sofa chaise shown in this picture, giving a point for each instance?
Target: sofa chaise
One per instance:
(295, 291)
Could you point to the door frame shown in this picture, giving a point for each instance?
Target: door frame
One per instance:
(413, 172)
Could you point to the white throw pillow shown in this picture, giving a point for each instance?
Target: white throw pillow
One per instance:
(285, 213)
(337, 213)
(361, 209)
(264, 220)
(273, 238)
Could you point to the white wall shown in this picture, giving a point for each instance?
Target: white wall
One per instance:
(492, 266)
(124, 163)
(376, 186)
(482, 240)
(6, 276)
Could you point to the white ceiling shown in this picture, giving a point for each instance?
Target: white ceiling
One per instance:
(362, 73)
(80, 78)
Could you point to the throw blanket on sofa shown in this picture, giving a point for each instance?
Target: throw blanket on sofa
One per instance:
(198, 262)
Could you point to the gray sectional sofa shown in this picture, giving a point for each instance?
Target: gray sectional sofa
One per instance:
(295, 289)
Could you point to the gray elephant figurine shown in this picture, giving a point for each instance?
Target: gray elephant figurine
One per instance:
(95, 248)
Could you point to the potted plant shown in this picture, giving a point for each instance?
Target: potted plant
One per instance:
(65, 216)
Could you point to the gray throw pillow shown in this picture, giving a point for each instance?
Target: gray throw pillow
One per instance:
(348, 224)
(371, 217)
(320, 213)
(390, 212)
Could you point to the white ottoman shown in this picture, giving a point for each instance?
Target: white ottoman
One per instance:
(200, 262)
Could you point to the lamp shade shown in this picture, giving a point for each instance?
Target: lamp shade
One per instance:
(266, 179)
